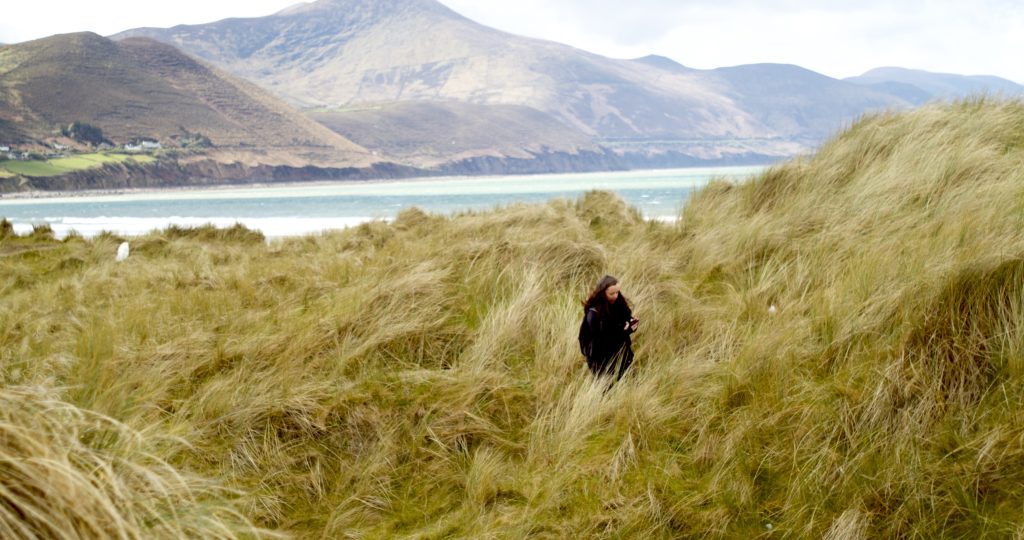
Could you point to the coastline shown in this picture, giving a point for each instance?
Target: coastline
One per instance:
(82, 193)
(299, 208)
(28, 197)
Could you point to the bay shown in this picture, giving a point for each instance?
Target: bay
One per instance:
(295, 209)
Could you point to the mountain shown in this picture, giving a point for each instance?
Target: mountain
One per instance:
(431, 133)
(662, 62)
(920, 86)
(339, 53)
(140, 88)
(373, 54)
(795, 102)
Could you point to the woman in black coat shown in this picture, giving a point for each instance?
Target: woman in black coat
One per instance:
(605, 330)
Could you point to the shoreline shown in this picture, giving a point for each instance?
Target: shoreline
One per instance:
(42, 195)
(32, 196)
(271, 228)
(283, 209)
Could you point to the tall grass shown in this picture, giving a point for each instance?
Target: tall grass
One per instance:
(421, 379)
(70, 473)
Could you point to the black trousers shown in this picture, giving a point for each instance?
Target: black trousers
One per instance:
(617, 363)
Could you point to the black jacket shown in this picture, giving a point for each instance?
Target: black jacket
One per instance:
(601, 337)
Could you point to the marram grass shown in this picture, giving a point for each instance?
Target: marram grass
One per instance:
(70, 473)
(421, 379)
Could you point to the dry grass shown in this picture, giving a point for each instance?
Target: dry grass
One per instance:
(69, 473)
(421, 379)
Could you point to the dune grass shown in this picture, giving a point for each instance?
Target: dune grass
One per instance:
(420, 379)
(70, 473)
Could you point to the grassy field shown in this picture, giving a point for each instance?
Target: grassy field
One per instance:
(421, 379)
(55, 167)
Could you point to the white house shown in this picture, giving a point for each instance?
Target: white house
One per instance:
(148, 145)
(5, 148)
(133, 147)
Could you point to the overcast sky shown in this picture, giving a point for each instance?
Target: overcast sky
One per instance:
(838, 38)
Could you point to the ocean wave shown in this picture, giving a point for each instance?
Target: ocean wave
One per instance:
(271, 227)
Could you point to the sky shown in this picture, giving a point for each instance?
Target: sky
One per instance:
(839, 38)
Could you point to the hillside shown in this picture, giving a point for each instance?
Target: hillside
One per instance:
(139, 88)
(349, 54)
(798, 103)
(429, 134)
(421, 378)
(918, 86)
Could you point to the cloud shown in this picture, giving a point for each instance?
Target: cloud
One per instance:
(26, 20)
(838, 38)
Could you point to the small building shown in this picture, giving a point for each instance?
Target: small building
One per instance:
(151, 145)
(133, 147)
(58, 146)
(5, 148)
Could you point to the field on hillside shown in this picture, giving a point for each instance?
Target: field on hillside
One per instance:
(58, 166)
(421, 379)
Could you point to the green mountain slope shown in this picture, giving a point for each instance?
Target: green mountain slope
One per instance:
(141, 88)
(422, 379)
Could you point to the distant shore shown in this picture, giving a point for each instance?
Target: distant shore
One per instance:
(28, 196)
(68, 194)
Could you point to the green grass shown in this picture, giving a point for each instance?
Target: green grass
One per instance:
(33, 168)
(421, 379)
(138, 158)
(55, 167)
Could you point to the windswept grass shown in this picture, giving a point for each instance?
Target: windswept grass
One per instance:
(70, 473)
(421, 379)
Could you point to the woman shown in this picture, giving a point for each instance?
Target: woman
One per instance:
(604, 332)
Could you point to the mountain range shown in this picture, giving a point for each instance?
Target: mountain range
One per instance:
(415, 83)
(918, 87)
(355, 61)
(341, 55)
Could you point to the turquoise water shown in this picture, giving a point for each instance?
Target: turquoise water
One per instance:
(284, 210)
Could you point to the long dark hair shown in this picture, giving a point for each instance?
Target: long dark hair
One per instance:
(599, 300)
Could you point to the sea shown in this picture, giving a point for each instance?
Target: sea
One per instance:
(282, 210)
